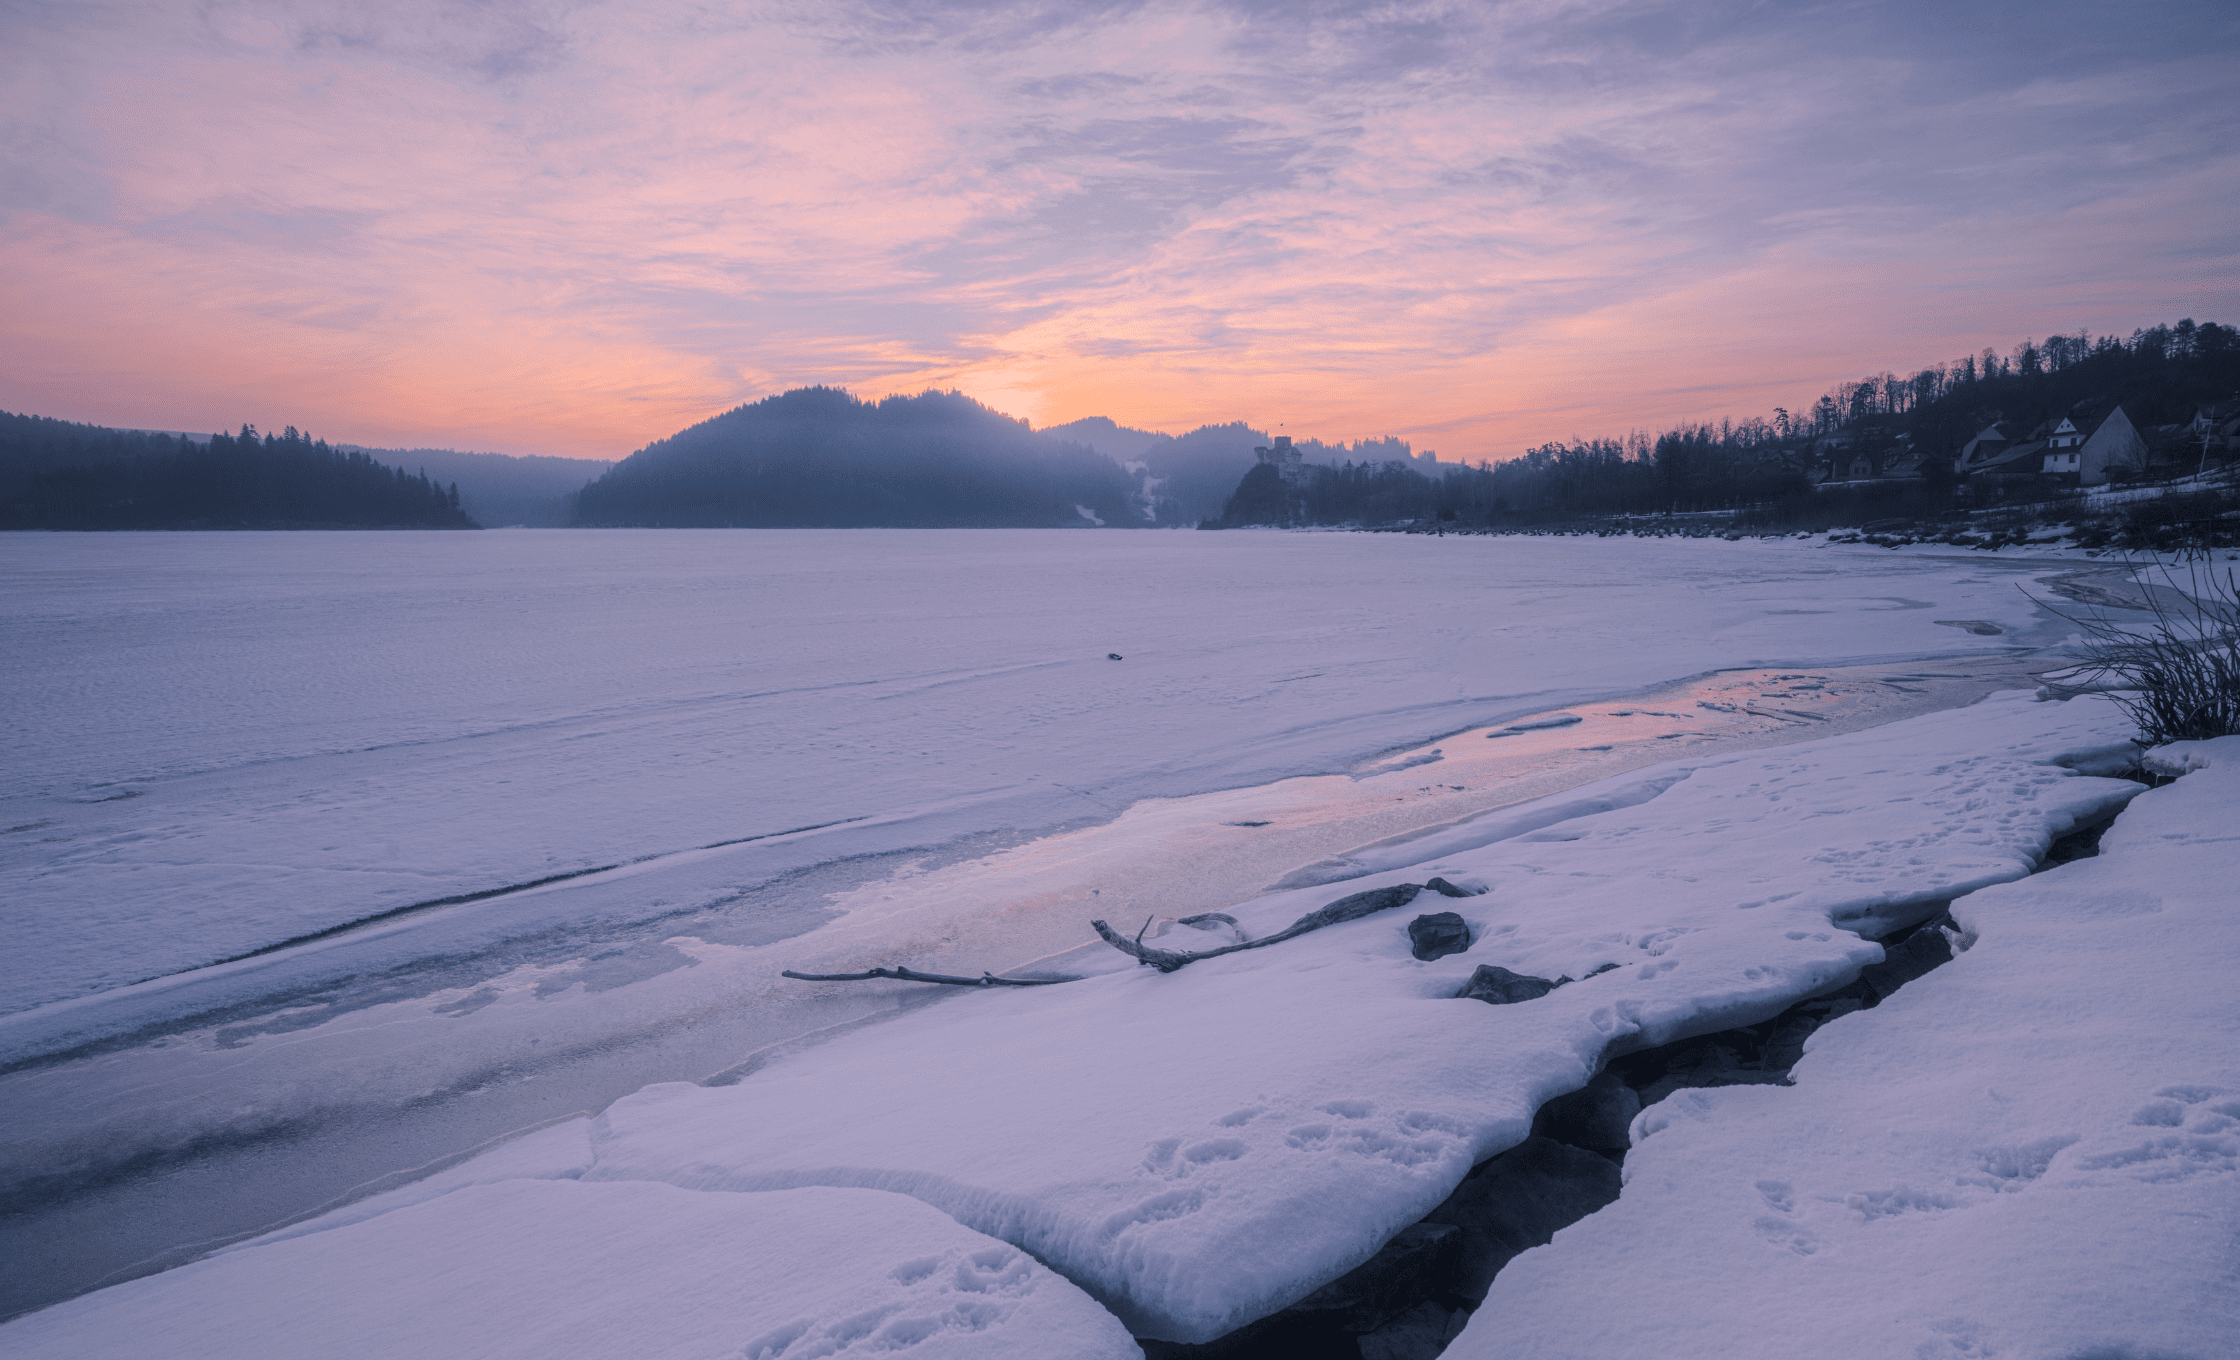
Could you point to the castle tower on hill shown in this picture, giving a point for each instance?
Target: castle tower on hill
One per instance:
(1289, 463)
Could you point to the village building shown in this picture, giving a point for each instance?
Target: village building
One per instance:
(2216, 428)
(1989, 443)
(2000, 457)
(2115, 442)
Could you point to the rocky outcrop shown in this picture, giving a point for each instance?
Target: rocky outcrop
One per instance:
(1498, 986)
(1438, 934)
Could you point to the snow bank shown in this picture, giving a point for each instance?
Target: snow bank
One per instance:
(539, 1269)
(2033, 1152)
(1201, 1148)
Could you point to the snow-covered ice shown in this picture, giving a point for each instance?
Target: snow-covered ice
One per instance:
(1193, 1149)
(545, 1267)
(1202, 1148)
(223, 742)
(2032, 1153)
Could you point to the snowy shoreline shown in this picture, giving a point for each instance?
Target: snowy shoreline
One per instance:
(1070, 1135)
(1141, 851)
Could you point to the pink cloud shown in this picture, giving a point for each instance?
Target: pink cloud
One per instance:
(575, 228)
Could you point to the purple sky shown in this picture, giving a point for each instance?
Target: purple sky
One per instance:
(573, 228)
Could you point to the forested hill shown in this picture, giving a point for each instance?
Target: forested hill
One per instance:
(1880, 447)
(57, 475)
(817, 457)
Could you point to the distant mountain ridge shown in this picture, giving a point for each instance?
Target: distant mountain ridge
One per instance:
(811, 457)
(819, 457)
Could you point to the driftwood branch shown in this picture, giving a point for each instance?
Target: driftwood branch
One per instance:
(913, 975)
(1221, 916)
(1344, 909)
(1167, 960)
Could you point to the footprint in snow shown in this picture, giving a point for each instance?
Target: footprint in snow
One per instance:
(2185, 1132)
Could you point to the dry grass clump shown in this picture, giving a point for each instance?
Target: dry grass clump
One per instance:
(2178, 677)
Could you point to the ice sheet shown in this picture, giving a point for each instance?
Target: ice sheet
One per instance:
(1203, 1147)
(558, 1152)
(2033, 1152)
(227, 741)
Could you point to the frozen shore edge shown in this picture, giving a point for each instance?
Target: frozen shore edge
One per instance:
(421, 1193)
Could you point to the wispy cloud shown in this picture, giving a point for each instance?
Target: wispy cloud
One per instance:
(574, 227)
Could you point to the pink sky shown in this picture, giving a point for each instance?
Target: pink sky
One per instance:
(574, 228)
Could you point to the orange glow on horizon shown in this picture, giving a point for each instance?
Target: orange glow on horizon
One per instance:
(574, 235)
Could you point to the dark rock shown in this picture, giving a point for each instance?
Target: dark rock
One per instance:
(1518, 1201)
(1437, 935)
(1446, 889)
(1500, 987)
(1595, 1117)
(1112, 656)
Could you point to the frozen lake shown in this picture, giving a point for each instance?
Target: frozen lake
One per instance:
(329, 854)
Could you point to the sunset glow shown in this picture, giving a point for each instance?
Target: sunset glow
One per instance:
(576, 227)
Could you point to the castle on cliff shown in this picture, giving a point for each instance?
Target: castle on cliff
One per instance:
(1288, 462)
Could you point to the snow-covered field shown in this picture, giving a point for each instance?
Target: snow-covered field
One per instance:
(237, 740)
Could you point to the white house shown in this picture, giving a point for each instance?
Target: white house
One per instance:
(2115, 443)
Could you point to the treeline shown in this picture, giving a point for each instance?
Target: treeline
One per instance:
(817, 457)
(58, 475)
(1904, 431)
